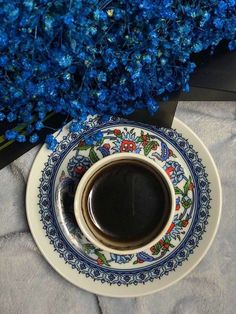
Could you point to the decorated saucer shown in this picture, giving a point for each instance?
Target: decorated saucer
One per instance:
(50, 196)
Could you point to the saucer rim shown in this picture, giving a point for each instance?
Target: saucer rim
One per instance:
(93, 286)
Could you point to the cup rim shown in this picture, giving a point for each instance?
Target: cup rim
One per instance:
(82, 185)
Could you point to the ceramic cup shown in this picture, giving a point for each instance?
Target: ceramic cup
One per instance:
(83, 217)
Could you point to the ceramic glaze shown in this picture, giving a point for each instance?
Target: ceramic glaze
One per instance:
(54, 178)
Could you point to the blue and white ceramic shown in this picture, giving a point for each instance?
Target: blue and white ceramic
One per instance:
(50, 196)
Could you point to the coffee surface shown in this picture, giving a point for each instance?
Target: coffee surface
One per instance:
(128, 202)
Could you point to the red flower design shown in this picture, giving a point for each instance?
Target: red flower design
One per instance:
(169, 170)
(100, 261)
(144, 142)
(80, 169)
(117, 132)
(184, 223)
(107, 146)
(177, 207)
(166, 246)
(171, 227)
(127, 146)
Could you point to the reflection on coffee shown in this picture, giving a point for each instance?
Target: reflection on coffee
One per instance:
(127, 202)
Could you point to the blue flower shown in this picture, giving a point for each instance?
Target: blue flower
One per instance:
(51, 142)
(77, 166)
(3, 39)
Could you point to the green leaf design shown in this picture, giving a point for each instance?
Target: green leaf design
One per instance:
(157, 249)
(148, 148)
(186, 205)
(84, 147)
(186, 186)
(142, 133)
(93, 155)
(167, 240)
(138, 140)
(88, 247)
(102, 257)
(178, 190)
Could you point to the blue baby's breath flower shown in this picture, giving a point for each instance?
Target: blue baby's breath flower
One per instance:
(34, 138)
(232, 45)
(218, 22)
(51, 142)
(3, 61)
(39, 125)
(11, 117)
(21, 138)
(75, 127)
(3, 39)
(100, 15)
(69, 19)
(152, 106)
(2, 116)
(98, 136)
(11, 135)
(108, 57)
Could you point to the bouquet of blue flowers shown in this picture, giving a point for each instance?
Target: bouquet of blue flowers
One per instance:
(81, 57)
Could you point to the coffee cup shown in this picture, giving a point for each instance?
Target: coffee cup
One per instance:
(124, 203)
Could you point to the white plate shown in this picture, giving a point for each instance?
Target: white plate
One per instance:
(198, 194)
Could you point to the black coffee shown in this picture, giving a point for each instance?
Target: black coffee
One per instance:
(128, 202)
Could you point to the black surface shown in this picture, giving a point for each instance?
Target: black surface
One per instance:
(216, 71)
(164, 117)
(15, 149)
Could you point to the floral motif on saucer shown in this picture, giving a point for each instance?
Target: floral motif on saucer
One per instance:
(65, 167)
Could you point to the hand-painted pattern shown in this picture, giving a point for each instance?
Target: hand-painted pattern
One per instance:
(160, 145)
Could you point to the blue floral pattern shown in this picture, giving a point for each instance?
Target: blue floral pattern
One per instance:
(175, 171)
(77, 166)
(121, 259)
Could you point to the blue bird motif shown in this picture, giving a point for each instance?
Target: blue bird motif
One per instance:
(165, 152)
(144, 257)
